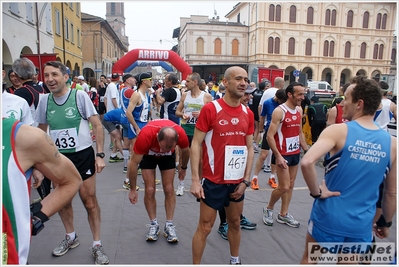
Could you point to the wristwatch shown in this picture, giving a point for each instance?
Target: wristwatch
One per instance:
(317, 196)
(101, 155)
(247, 183)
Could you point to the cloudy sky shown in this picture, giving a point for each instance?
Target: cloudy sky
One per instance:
(149, 21)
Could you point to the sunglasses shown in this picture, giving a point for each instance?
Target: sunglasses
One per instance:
(147, 79)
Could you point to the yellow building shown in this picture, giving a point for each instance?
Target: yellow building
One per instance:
(68, 34)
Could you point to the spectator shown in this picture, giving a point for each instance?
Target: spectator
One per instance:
(317, 117)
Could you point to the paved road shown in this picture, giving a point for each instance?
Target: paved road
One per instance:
(123, 228)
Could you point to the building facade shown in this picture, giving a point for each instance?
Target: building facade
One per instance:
(329, 41)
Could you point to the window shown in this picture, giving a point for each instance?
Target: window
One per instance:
(271, 13)
(363, 50)
(393, 56)
(14, 8)
(348, 49)
(234, 47)
(291, 46)
(218, 47)
(384, 21)
(66, 29)
(270, 45)
(332, 47)
(310, 16)
(349, 19)
(78, 37)
(325, 50)
(293, 14)
(328, 17)
(277, 45)
(278, 13)
(308, 50)
(78, 9)
(334, 18)
(48, 19)
(112, 8)
(378, 23)
(71, 5)
(366, 16)
(29, 12)
(57, 22)
(381, 51)
(375, 51)
(200, 46)
(238, 17)
(72, 33)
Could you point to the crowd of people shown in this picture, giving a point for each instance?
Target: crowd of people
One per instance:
(217, 128)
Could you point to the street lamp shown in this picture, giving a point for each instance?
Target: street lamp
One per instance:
(175, 44)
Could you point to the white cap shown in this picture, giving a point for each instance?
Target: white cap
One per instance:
(183, 83)
(81, 78)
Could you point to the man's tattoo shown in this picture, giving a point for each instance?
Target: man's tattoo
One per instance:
(51, 143)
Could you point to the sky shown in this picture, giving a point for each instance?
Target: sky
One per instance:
(149, 21)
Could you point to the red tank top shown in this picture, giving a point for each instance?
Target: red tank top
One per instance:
(287, 135)
(339, 118)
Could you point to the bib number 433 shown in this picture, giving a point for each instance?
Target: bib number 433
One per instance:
(65, 138)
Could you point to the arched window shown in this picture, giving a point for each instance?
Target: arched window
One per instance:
(375, 51)
(348, 49)
(366, 16)
(325, 50)
(218, 47)
(332, 47)
(277, 45)
(334, 17)
(308, 50)
(270, 45)
(278, 13)
(234, 47)
(291, 46)
(328, 17)
(384, 21)
(363, 50)
(310, 15)
(378, 22)
(393, 56)
(293, 14)
(349, 19)
(200, 46)
(381, 51)
(271, 12)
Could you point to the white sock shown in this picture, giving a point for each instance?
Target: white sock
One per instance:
(125, 156)
(169, 222)
(234, 259)
(269, 158)
(72, 235)
(181, 183)
(127, 180)
(113, 155)
(95, 243)
(155, 221)
(272, 175)
(255, 176)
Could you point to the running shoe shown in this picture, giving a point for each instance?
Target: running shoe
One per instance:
(272, 183)
(267, 169)
(245, 224)
(268, 216)
(115, 159)
(65, 245)
(126, 185)
(111, 146)
(288, 220)
(139, 171)
(124, 169)
(157, 182)
(153, 232)
(236, 262)
(99, 255)
(170, 233)
(180, 190)
(223, 228)
(254, 184)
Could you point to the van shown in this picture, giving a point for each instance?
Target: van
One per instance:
(320, 89)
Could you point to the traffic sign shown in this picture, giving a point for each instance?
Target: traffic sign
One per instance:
(296, 73)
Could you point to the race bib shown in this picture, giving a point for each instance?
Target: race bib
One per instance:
(65, 138)
(101, 98)
(192, 120)
(235, 161)
(292, 143)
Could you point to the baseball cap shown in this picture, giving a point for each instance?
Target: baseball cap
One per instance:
(250, 90)
(81, 78)
(126, 76)
(143, 75)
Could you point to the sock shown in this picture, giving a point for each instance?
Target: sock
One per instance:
(95, 243)
(169, 222)
(155, 221)
(177, 164)
(181, 183)
(272, 175)
(255, 176)
(234, 259)
(125, 156)
(113, 155)
(127, 180)
(72, 235)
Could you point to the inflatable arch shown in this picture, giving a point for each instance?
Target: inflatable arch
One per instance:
(152, 55)
(140, 63)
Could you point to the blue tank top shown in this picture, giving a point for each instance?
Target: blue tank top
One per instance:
(356, 171)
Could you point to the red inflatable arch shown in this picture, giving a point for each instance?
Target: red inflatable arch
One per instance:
(152, 55)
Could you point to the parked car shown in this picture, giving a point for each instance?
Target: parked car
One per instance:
(320, 89)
